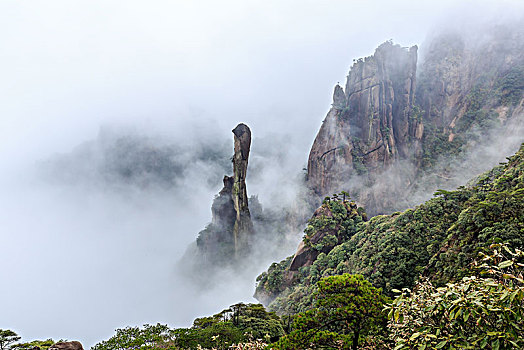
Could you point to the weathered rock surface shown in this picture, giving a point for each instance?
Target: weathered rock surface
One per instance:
(371, 124)
(391, 138)
(243, 228)
(456, 70)
(393, 150)
(231, 228)
(305, 255)
(223, 208)
(67, 345)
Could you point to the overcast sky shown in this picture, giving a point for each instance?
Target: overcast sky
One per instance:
(69, 66)
(167, 67)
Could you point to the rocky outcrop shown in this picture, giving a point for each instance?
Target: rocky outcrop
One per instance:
(231, 229)
(305, 254)
(67, 345)
(393, 151)
(372, 123)
(309, 248)
(243, 228)
(460, 76)
(390, 138)
(332, 224)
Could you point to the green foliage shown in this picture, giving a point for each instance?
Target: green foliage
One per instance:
(511, 86)
(328, 241)
(335, 222)
(251, 345)
(240, 323)
(437, 146)
(271, 281)
(494, 213)
(417, 113)
(7, 338)
(473, 313)
(348, 309)
(358, 164)
(220, 335)
(42, 344)
(147, 337)
(438, 239)
(236, 324)
(339, 216)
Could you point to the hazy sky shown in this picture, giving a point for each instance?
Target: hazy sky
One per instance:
(77, 265)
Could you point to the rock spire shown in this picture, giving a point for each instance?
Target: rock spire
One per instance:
(243, 228)
(231, 227)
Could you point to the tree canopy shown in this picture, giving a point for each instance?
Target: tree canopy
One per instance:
(348, 309)
(7, 339)
(476, 312)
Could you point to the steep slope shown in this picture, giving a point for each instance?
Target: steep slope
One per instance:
(468, 88)
(370, 125)
(390, 138)
(438, 239)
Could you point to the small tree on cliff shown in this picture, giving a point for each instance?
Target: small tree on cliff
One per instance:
(348, 309)
(345, 196)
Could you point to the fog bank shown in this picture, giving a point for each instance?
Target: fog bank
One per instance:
(85, 251)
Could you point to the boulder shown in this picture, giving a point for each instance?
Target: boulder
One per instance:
(67, 345)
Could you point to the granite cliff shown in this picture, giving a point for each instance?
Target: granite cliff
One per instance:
(395, 133)
(370, 125)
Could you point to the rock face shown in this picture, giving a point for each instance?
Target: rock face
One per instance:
(458, 77)
(67, 345)
(391, 151)
(223, 208)
(393, 135)
(231, 228)
(371, 124)
(444, 75)
(243, 228)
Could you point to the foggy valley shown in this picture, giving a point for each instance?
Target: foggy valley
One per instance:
(116, 122)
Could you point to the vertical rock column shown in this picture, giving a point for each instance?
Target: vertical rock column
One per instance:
(243, 228)
(229, 235)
